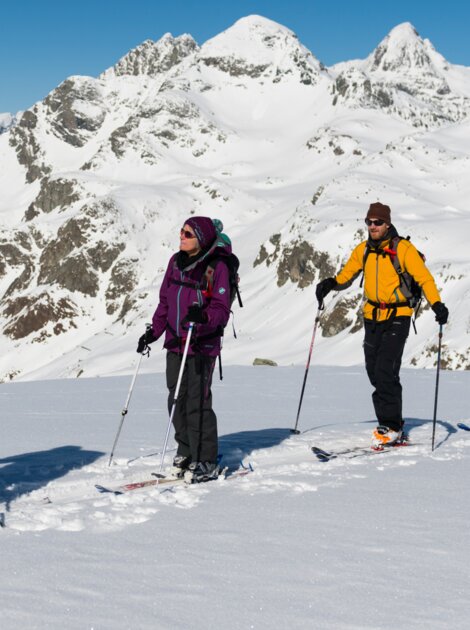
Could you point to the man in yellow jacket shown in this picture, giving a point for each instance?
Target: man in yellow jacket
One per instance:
(383, 258)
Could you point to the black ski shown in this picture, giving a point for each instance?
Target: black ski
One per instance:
(355, 451)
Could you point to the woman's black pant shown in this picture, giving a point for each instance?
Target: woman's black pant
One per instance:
(194, 419)
(384, 343)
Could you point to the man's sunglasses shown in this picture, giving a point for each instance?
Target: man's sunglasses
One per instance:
(187, 234)
(377, 222)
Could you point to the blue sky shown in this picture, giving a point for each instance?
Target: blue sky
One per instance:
(44, 41)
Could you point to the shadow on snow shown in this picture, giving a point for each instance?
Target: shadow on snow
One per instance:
(236, 446)
(21, 474)
(410, 424)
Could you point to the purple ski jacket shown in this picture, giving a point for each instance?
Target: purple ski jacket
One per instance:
(183, 287)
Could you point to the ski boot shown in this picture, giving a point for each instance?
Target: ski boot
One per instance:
(383, 437)
(199, 472)
(181, 464)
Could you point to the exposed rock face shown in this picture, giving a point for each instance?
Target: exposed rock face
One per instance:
(30, 314)
(123, 281)
(155, 58)
(55, 193)
(302, 264)
(69, 260)
(298, 261)
(355, 86)
(270, 252)
(76, 110)
(328, 140)
(15, 255)
(235, 67)
(340, 317)
(28, 151)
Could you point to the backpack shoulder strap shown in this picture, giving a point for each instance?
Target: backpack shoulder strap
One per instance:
(367, 251)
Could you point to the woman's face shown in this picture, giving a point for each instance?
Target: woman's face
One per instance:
(188, 241)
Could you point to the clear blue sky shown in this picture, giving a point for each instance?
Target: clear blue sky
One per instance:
(44, 41)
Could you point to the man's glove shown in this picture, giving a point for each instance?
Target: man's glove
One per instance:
(147, 338)
(323, 288)
(196, 314)
(442, 312)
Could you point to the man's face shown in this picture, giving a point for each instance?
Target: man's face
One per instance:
(376, 232)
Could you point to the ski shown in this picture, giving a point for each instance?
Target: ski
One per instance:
(463, 426)
(136, 485)
(355, 451)
(225, 475)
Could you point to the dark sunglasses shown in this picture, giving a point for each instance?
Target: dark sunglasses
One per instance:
(377, 222)
(187, 234)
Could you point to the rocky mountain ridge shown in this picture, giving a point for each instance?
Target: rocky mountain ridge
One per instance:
(249, 127)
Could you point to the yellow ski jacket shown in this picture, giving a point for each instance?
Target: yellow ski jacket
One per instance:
(381, 280)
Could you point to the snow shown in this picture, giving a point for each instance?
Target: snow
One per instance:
(373, 542)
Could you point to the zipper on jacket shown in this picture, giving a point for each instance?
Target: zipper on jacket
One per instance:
(377, 279)
(178, 305)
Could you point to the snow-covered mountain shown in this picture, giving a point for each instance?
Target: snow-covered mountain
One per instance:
(7, 121)
(407, 77)
(251, 128)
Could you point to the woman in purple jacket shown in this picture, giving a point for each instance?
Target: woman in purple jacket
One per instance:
(195, 288)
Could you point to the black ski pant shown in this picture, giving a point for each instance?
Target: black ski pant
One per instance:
(384, 343)
(194, 419)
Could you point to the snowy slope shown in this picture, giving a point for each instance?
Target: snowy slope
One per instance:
(373, 541)
(251, 128)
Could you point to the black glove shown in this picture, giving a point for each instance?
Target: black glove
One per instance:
(442, 312)
(147, 338)
(196, 314)
(323, 288)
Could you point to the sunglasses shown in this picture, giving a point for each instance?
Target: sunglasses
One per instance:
(377, 222)
(186, 234)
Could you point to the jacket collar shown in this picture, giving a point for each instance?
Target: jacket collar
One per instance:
(385, 241)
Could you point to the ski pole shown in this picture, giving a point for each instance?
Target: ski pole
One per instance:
(317, 320)
(175, 397)
(126, 404)
(437, 386)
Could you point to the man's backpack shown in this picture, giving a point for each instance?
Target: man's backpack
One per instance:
(410, 289)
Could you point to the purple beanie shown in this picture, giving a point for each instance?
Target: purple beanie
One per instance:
(203, 229)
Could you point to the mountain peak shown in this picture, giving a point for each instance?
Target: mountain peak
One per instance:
(252, 33)
(275, 48)
(152, 58)
(404, 32)
(401, 48)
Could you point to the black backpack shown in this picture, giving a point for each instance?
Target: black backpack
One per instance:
(232, 263)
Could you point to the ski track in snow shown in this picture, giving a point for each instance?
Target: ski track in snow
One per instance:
(74, 504)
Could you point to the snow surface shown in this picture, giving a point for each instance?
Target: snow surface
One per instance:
(376, 542)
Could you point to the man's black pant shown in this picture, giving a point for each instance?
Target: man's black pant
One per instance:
(384, 343)
(194, 419)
